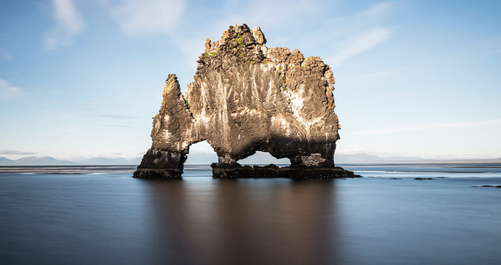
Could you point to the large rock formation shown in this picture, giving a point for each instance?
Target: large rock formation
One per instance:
(245, 98)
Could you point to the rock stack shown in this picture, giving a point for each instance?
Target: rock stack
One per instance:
(246, 97)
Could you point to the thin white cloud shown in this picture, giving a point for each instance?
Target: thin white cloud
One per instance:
(429, 126)
(117, 126)
(141, 18)
(290, 10)
(16, 152)
(378, 8)
(362, 43)
(114, 117)
(7, 91)
(69, 24)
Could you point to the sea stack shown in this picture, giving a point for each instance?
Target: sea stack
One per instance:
(246, 97)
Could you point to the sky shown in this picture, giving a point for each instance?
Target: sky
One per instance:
(83, 78)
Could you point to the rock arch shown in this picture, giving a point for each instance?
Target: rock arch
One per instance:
(245, 98)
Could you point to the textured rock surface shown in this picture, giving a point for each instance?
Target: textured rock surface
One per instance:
(245, 98)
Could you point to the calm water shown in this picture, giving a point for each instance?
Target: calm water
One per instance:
(107, 217)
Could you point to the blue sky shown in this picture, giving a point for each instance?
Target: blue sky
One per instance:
(413, 78)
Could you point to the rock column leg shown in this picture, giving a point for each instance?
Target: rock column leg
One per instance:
(161, 164)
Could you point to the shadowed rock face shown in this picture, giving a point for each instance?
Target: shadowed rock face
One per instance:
(245, 98)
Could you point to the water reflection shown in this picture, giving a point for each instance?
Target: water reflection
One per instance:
(205, 221)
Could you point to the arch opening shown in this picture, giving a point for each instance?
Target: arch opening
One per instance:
(264, 158)
(201, 153)
(199, 158)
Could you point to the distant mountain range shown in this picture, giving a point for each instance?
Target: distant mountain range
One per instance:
(32, 161)
(50, 161)
(208, 158)
(265, 158)
(365, 158)
(4, 159)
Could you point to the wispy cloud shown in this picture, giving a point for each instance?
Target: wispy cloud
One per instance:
(430, 126)
(378, 9)
(15, 152)
(7, 91)
(117, 125)
(362, 43)
(113, 116)
(69, 24)
(140, 18)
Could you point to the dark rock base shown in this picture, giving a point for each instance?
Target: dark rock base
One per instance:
(272, 171)
(149, 173)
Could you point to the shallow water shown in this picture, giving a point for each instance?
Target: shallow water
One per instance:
(387, 217)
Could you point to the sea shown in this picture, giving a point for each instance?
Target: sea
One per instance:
(394, 214)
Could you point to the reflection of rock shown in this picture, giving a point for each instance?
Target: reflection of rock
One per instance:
(244, 222)
(245, 98)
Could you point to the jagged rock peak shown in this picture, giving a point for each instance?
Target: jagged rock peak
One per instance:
(246, 97)
(238, 35)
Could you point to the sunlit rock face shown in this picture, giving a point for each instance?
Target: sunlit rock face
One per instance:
(246, 97)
